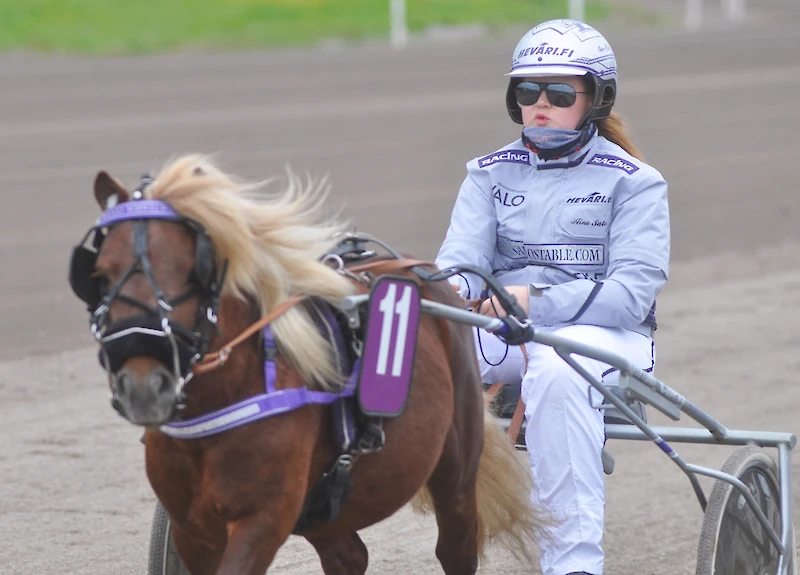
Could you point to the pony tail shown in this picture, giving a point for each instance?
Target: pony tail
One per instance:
(615, 129)
(506, 515)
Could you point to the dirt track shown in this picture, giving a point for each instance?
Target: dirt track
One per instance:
(73, 495)
(75, 499)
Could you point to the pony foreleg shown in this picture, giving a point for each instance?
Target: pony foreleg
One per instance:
(252, 545)
(345, 555)
(199, 558)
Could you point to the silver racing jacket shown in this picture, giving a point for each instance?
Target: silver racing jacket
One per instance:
(589, 234)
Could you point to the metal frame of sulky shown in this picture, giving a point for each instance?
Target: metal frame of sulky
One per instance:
(657, 394)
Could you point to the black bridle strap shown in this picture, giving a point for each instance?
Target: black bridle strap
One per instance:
(142, 264)
(193, 291)
(114, 293)
(140, 249)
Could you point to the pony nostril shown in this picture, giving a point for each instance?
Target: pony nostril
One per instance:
(123, 383)
(161, 383)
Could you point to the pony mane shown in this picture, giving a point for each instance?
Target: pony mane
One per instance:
(272, 243)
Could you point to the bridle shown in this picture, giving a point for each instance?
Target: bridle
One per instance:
(151, 333)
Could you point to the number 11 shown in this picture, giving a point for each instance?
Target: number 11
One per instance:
(389, 308)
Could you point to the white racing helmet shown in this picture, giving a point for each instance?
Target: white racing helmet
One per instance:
(565, 48)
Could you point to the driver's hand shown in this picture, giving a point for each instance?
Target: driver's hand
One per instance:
(492, 308)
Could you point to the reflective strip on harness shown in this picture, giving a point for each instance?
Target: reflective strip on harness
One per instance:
(273, 402)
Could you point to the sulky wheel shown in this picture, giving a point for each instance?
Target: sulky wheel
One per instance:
(163, 558)
(733, 542)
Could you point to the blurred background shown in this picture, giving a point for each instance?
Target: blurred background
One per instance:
(389, 108)
(389, 100)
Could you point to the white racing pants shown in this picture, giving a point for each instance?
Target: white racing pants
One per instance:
(565, 434)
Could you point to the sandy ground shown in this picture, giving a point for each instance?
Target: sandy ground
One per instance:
(74, 498)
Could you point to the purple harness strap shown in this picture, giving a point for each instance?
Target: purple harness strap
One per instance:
(273, 402)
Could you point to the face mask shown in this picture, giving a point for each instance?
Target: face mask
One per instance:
(553, 143)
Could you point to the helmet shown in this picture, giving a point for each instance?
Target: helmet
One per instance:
(565, 48)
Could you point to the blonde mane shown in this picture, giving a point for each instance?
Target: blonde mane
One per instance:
(272, 244)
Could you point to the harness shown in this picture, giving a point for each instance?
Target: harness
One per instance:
(354, 431)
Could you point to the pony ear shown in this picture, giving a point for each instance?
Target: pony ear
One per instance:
(109, 191)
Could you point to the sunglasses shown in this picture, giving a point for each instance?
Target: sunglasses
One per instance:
(559, 95)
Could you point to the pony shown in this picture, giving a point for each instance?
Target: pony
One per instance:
(213, 301)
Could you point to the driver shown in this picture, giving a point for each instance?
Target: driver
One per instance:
(576, 226)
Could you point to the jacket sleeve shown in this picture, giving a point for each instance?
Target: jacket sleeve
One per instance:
(639, 245)
(472, 234)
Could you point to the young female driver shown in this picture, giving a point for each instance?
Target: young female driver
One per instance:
(576, 226)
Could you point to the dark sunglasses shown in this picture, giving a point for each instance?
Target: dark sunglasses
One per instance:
(559, 95)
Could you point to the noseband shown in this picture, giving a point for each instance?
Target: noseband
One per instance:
(151, 333)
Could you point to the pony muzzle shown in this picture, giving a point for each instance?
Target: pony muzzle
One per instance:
(148, 364)
(148, 398)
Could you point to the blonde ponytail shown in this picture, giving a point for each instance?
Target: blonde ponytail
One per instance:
(615, 129)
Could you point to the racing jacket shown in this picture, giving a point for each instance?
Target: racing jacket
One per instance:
(589, 233)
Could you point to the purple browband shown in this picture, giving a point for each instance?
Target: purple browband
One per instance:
(273, 402)
(136, 210)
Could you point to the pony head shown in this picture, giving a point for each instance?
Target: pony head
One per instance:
(165, 258)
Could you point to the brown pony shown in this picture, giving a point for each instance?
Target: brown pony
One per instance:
(165, 288)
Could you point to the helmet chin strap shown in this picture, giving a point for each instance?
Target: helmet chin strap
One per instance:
(587, 118)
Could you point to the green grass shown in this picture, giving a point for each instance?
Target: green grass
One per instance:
(136, 26)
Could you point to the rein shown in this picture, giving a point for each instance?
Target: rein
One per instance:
(215, 360)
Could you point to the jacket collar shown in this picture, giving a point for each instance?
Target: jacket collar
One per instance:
(569, 161)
